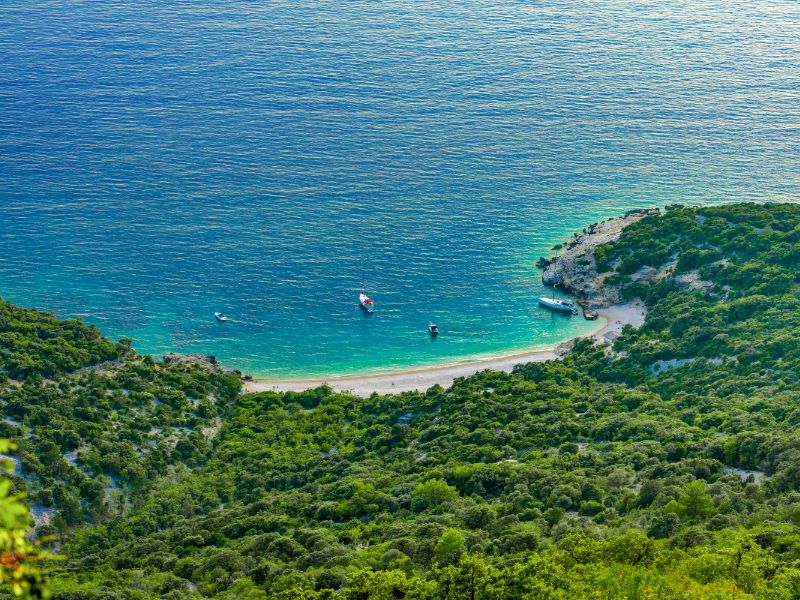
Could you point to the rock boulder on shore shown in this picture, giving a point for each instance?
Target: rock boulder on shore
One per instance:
(575, 270)
(208, 362)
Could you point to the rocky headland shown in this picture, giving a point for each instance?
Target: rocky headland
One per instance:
(575, 269)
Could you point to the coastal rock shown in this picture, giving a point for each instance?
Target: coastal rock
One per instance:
(565, 348)
(575, 271)
(209, 362)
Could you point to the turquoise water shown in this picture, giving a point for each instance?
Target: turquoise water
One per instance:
(161, 161)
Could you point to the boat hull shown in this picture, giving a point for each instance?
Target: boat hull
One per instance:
(558, 307)
(366, 303)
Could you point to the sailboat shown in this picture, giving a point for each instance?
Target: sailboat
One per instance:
(558, 305)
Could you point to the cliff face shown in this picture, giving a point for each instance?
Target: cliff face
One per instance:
(575, 270)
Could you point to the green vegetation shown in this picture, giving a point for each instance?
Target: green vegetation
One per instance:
(19, 558)
(666, 465)
(36, 343)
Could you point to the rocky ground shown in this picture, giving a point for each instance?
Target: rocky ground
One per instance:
(208, 362)
(575, 270)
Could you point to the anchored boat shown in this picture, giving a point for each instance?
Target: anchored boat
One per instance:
(367, 303)
(434, 330)
(559, 305)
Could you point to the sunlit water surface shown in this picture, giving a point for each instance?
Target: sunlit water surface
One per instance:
(160, 161)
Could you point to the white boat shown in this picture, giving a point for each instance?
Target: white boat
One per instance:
(367, 303)
(559, 305)
(434, 330)
(220, 317)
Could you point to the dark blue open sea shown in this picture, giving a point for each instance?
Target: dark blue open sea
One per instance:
(160, 161)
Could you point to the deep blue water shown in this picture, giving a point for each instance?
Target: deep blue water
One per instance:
(163, 160)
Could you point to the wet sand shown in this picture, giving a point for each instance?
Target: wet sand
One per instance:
(611, 320)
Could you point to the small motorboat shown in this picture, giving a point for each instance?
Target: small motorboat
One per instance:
(434, 330)
(220, 317)
(367, 303)
(559, 305)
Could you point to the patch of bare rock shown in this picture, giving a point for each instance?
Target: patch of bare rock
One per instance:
(209, 362)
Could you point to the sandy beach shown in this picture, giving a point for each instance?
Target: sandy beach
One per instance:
(610, 322)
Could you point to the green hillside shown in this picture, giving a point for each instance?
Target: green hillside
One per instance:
(664, 466)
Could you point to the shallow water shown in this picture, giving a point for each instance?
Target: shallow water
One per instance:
(161, 161)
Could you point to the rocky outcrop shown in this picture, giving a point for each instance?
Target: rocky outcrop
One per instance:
(690, 281)
(208, 362)
(575, 270)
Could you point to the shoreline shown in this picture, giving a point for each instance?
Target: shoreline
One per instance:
(614, 318)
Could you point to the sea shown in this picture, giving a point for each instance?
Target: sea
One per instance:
(270, 159)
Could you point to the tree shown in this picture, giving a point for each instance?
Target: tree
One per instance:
(376, 585)
(695, 502)
(468, 580)
(450, 547)
(433, 493)
(664, 526)
(632, 547)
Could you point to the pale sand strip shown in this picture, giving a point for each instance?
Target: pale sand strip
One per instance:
(611, 321)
